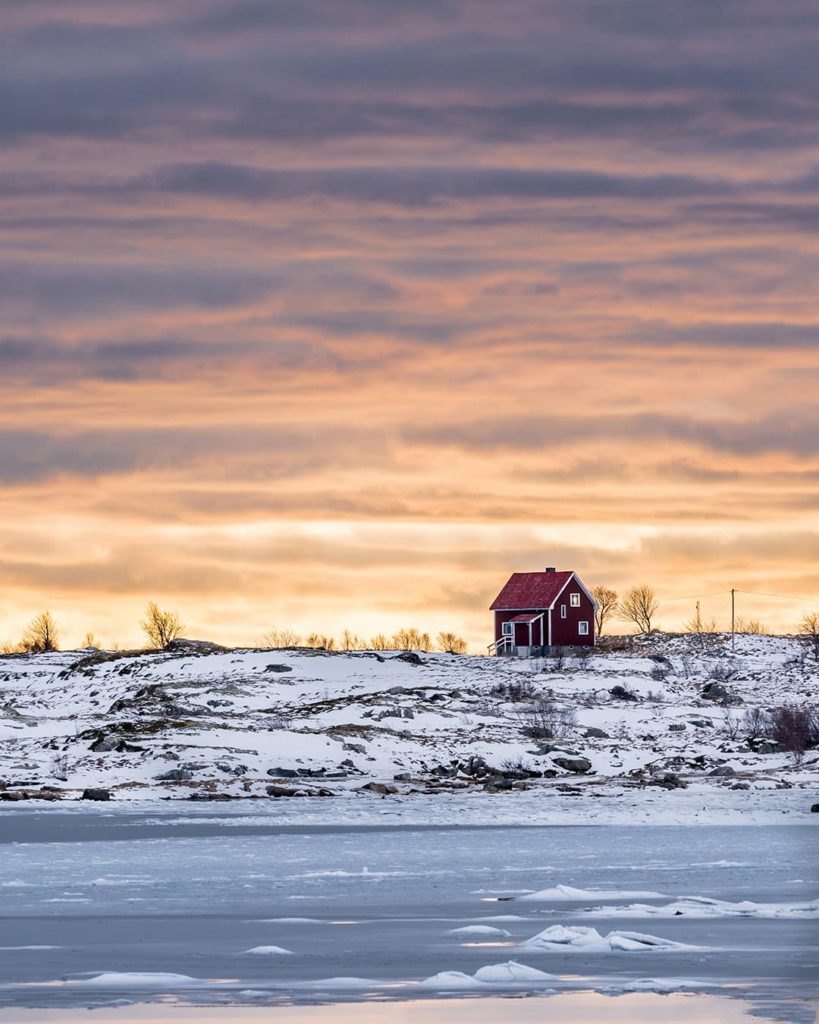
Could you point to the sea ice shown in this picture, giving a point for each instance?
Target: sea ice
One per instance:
(567, 892)
(704, 907)
(268, 951)
(478, 929)
(589, 940)
(137, 979)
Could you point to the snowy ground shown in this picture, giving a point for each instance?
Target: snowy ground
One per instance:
(447, 735)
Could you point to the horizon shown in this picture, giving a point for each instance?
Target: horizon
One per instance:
(335, 320)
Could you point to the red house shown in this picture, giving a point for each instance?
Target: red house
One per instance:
(541, 610)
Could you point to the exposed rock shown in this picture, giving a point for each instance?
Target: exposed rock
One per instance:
(175, 775)
(95, 794)
(578, 765)
(279, 791)
(410, 657)
(356, 748)
(181, 645)
(621, 693)
(104, 744)
(764, 745)
(283, 773)
(497, 784)
(677, 727)
(232, 769)
(716, 691)
(724, 771)
(593, 733)
(379, 787)
(202, 795)
(814, 809)
(668, 780)
(701, 723)
(278, 668)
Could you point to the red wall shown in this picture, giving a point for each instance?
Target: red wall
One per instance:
(564, 631)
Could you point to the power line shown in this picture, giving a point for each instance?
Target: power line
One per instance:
(691, 597)
(784, 597)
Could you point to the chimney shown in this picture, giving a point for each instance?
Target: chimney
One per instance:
(550, 568)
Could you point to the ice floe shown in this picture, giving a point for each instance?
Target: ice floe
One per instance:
(139, 979)
(268, 951)
(704, 907)
(510, 973)
(478, 929)
(589, 940)
(568, 893)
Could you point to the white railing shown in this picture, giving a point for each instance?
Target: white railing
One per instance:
(502, 646)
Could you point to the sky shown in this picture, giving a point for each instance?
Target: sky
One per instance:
(333, 315)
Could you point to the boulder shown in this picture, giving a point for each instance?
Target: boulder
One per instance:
(95, 794)
(593, 733)
(668, 780)
(814, 809)
(677, 727)
(379, 787)
(278, 668)
(723, 771)
(283, 773)
(410, 657)
(175, 775)
(577, 765)
(104, 744)
(764, 745)
(356, 748)
(621, 693)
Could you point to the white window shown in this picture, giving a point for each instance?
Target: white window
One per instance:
(583, 629)
(507, 628)
(563, 611)
(574, 600)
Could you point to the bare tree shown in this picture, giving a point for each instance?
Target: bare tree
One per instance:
(411, 639)
(449, 643)
(606, 600)
(352, 641)
(278, 638)
(809, 632)
(380, 643)
(40, 634)
(753, 627)
(160, 626)
(320, 640)
(639, 606)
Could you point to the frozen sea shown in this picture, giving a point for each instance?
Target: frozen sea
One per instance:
(221, 915)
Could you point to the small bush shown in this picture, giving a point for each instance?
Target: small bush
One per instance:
(754, 723)
(659, 673)
(545, 720)
(795, 728)
(516, 690)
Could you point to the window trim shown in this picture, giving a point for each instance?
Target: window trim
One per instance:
(507, 628)
(563, 612)
(583, 628)
(574, 600)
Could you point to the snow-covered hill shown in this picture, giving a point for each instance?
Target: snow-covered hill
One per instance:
(200, 723)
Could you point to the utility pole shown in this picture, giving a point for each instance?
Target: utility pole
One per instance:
(733, 620)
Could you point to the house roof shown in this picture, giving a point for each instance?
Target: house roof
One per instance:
(526, 617)
(531, 590)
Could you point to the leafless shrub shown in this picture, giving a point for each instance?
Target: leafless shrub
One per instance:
(411, 639)
(522, 689)
(279, 638)
(723, 671)
(449, 643)
(515, 766)
(731, 725)
(700, 625)
(809, 633)
(40, 634)
(545, 720)
(558, 659)
(659, 673)
(320, 640)
(655, 698)
(583, 655)
(352, 642)
(751, 627)
(754, 723)
(687, 662)
(160, 626)
(796, 728)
